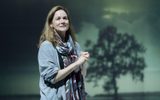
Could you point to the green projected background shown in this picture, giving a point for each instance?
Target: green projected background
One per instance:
(23, 20)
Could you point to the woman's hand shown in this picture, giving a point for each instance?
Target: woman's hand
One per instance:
(84, 56)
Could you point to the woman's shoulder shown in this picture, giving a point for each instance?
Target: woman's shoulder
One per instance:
(47, 44)
(77, 44)
(78, 47)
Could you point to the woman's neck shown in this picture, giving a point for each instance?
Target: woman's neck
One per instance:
(62, 35)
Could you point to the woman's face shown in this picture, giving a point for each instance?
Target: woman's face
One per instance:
(60, 21)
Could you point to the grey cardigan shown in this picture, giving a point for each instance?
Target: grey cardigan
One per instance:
(48, 67)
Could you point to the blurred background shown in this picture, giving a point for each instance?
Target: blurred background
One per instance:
(21, 23)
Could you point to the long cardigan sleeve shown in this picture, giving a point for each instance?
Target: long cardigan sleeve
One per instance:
(48, 61)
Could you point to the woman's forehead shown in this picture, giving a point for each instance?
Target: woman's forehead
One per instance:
(60, 13)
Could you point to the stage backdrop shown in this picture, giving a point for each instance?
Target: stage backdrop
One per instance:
(21, 23)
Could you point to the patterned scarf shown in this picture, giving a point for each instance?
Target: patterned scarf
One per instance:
(74, 85)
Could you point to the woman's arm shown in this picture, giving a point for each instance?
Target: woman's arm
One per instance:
(67, 70)
(84, 69)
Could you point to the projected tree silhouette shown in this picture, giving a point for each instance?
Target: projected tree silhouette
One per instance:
(113, 56)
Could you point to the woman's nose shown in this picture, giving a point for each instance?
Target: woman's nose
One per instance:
(62, 21)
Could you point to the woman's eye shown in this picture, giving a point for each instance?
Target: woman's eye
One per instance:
(65, 18)
(58, 18)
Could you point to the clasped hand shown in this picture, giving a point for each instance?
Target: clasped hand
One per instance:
(84, 56)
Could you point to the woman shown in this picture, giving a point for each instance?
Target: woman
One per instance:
(60, 59)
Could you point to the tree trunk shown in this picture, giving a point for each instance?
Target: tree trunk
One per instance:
(115, 95)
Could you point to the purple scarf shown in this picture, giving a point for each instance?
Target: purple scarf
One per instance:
(74, 85)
